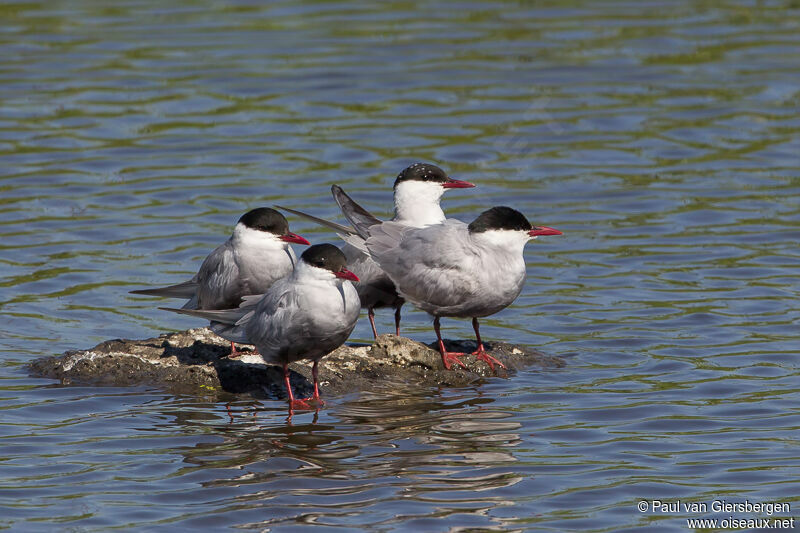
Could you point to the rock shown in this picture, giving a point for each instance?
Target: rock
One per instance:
(195, 361)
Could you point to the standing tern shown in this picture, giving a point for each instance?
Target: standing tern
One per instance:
(418, 190)
(306, 315)
(458, 270)
(255, 256)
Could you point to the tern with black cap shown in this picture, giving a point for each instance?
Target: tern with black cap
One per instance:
(418, 190)
(306, 315)
(256, 255)
(458, 270)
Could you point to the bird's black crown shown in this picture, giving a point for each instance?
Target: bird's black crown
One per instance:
(325, 256)
(422, 172)
(265, 219)
(500, 217)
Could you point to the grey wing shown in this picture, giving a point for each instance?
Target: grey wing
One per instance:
(346, 233)
(360, 218)
(387, 238)
(321, 221)
(428, 265)
(374, 287)
(224, 316)
(237, 331)
(251, 301)
(230, 324)
(192, 303)
(277, 324)
(186, 289)
(219, 283)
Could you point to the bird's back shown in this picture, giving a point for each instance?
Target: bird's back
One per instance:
(375, 288)
(303, 321)
(444, 271)
(233, 271)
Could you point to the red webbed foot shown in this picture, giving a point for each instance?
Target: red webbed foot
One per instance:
(481, 355)
(448, 358)
(300, 405)
(315, 400)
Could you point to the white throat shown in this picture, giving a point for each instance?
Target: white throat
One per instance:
(504, 241)
(310, 274)
(254, 239)
(416, 203)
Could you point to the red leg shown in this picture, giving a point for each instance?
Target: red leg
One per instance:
(293, 404)
(397, 321)
(234, 352)
(371, 315)
(447, 357)
(480, 353)
(315, 397)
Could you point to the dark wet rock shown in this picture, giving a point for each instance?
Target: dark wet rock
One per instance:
(195, 361)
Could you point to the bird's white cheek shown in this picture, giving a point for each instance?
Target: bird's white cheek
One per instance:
(417, 203)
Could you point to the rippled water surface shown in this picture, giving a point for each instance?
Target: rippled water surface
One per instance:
(661, 137)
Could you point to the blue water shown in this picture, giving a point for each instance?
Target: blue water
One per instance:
(662, 138)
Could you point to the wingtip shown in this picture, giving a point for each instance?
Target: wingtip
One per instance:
(289, 210)
(172, 309)
(339, 196)
(145, 292)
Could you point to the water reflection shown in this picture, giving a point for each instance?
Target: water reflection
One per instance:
(365, 453)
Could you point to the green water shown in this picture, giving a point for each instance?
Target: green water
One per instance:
(662, 138)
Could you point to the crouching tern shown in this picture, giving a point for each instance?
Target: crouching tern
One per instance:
(255, 256)
(306, 315)
(457, 270)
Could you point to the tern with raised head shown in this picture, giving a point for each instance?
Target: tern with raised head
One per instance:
(418, 190)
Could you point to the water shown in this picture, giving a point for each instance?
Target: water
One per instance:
(661, 137)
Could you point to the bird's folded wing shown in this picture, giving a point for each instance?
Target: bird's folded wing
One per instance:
(186, 289)
(220, 281)
(232, 332)
(229, 324)
(356, 241)
(250, 300)
(225, 316)
(279, 323)
(385, 238)
(238, 331)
